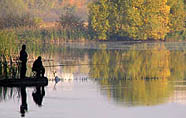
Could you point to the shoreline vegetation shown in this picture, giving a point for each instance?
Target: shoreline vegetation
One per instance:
(123, 25)
(138, 20)
(131, 21)
(106, 20)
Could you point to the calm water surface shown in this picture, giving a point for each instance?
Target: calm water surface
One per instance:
(106, 80)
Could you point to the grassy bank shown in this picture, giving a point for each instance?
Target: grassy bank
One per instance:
(11, 40)
(50, 35)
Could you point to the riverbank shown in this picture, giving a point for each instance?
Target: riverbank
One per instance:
(52, 32)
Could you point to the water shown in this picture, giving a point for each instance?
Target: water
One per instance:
(107, 80)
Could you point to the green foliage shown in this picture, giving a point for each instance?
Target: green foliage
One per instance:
(177, 15)
(7, 42)
(176, 36)
(177, 20)
(147, 20)
(136, 19)
(8, 47)
(98, 19)
(50, 35)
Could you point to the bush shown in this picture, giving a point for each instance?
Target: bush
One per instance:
(68, 19)
(13, 21)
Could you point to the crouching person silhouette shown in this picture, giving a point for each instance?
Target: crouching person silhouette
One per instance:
(38, 67)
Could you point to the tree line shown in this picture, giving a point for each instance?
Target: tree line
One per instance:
(107, 19)
(136, 19)
(18, 13)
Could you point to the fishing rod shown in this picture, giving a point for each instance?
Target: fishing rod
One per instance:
(72, 65)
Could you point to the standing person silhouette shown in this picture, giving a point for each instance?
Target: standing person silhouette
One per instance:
(23, 58)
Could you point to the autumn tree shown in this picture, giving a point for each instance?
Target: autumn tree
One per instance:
(98, 19)
(136, 19)
(177, 15)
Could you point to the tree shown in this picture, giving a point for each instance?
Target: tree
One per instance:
(68, 19)
(98, 18)
(155, 19)
(116, 18)
(146, 19)
(136, 19)
(177, 15)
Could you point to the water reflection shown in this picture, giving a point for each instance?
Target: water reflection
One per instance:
(138, 77)
(23, 107)
(38, 95)
(21, 93)
(131, 64)
(130, 75)
(8, 93)
(138, 92)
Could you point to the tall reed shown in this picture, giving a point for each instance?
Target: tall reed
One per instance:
(49, 35)
(8, 46)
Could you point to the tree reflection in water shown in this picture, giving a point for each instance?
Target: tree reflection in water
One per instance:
(131, 76)
(138, 77)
